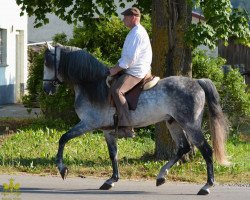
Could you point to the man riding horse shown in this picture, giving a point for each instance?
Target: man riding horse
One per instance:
(135, 64)
(177, 100)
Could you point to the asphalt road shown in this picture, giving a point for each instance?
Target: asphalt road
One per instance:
(41, 188)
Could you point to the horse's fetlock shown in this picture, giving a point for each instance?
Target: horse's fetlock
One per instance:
(115, 178)
(211, 182)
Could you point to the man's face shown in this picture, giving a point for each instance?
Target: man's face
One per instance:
(128, 21)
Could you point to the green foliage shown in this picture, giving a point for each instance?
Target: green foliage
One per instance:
(60, 38)
(104, 38)
(70, 11)
(207, 67)
(222, 23)
(235, 95)
(55, 106)
(235, 98)
(35, 75)
(60, 105)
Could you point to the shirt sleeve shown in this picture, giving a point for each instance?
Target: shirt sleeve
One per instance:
(130, 51)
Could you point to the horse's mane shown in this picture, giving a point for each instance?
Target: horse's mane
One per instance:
(79, 67)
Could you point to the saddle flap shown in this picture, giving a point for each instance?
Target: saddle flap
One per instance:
(132, 96)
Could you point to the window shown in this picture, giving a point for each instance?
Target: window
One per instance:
(3, 47)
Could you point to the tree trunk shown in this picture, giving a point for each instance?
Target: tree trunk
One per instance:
(171, 56)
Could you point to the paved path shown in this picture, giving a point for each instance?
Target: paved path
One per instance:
(40, 188)
(18, 111)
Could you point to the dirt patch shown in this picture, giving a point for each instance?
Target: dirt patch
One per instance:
(245, 137)
(9, 126)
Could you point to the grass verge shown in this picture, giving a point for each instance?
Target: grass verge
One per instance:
(32, 149)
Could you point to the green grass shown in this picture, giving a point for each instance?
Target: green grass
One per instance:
(33, 148)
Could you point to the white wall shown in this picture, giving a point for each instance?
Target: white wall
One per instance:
(14, 24)
(55, 25)
(46, 32)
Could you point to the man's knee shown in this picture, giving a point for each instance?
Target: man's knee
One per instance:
(115, 91)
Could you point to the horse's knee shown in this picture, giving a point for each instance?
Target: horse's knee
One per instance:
(206, 151)
(64, 138)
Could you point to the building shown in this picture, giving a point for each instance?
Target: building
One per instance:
(13, 52)
(238, 56)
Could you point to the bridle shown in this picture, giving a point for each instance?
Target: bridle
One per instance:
(54, 81)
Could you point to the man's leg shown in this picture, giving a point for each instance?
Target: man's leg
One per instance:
(118, 89)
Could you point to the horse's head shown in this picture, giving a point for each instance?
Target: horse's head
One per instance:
(50, 73)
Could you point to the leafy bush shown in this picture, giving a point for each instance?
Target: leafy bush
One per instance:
(104, 38)
(53, 107)
(235, 95)
(235, 98)
(35, 78)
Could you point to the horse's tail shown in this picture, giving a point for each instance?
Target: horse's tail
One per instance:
(218, 123)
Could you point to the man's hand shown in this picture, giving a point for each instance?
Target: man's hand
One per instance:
(114, 70)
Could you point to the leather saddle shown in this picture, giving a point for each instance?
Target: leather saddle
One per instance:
(132, 96)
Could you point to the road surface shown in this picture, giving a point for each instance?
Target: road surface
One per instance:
(43, 188)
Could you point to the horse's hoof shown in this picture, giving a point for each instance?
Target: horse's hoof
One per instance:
(105, 186)
(160, 181)
(64, 172)
(203, 192)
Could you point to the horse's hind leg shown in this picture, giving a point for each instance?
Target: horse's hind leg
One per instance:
(76, 131)
(112, 147)
(183, 147)
(197, 138)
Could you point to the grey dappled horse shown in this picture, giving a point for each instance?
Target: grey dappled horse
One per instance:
(179, 101)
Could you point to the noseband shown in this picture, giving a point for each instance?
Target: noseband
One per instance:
(54, 81)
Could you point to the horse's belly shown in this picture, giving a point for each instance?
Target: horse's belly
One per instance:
(150, 111)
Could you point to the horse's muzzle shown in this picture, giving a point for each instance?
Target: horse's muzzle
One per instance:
(49, 88)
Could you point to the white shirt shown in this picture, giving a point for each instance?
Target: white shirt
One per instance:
(136, 54)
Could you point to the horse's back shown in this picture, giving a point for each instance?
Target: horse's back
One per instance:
(176, 96)
(177, 86)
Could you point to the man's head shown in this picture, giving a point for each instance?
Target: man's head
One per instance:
(131, 17)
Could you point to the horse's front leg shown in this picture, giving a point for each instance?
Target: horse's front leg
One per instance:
(112, 147)
(76, 131)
